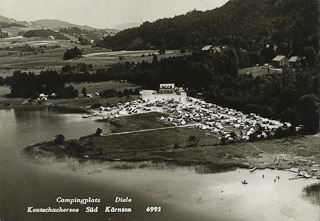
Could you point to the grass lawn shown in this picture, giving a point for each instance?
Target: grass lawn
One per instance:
(137, 122)
(151, 140)
(92, 87)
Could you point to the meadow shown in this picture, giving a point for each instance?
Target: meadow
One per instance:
(14, 56)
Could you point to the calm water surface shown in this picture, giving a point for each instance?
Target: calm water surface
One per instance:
(183, 193)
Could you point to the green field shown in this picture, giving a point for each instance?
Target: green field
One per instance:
(101, 86)
(29, 61)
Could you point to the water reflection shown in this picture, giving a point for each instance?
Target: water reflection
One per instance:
(97, 166)
(212, 169)
(312, 193)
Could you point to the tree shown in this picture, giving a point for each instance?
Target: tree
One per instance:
(161, 50)
(311, 56)
(72, 53)
(84, 92)
(308, 113)
(59, 140)
(98, 132)
(66, 68)
(74, 146)
(233, 63)
(154, 60)
(183, 50)
(193, 141)
(83, 67)
(70, 92)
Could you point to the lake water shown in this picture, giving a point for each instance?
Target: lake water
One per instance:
(183, 193)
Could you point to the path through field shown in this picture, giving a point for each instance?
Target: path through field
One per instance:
(146, 130)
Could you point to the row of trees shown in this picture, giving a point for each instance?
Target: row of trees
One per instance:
(30, 85)
(82, 67)
(119, 93)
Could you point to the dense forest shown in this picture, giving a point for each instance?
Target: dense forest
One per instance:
(44, 33)
(247, 24)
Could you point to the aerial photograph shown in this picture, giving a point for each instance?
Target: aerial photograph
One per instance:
(191, 110)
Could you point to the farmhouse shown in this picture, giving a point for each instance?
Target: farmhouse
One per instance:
(167, 88)
(295, 61)
(280, 61)
(211, 49)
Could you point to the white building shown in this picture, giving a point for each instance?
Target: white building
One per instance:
(167, 88)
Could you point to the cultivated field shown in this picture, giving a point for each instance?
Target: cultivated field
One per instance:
(29, 61)
(108, 58)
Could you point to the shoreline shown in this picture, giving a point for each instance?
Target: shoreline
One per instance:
(161, 142)
(19, 103)
(72, 105)
(265, 161)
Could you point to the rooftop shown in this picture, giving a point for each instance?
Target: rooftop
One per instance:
(294, 59)
(278, 58)
(207, 47)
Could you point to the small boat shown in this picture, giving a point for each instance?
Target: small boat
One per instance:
(244, 182)
(253, 169)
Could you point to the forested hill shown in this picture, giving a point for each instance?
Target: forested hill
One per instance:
(247, 24)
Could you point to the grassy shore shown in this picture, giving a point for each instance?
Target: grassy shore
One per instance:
(174, 144)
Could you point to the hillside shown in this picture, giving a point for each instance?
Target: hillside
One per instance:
(57, 24)
(246, 24)
(44, 33)
(5, 19)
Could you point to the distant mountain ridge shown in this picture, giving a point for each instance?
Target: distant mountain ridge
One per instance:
(6, 20)
(53, 24)
(57, 24)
